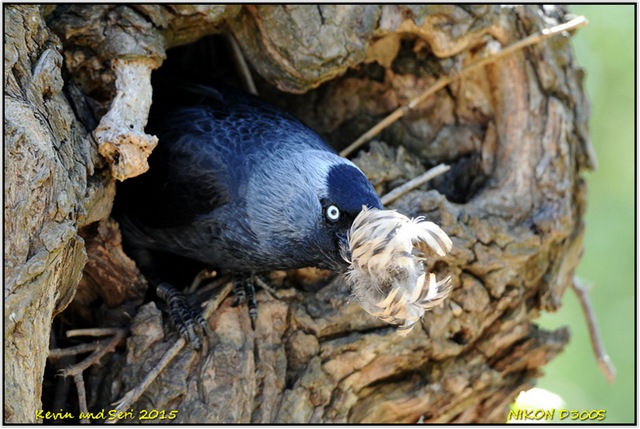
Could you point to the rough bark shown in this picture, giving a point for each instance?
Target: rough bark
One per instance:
(53, 185)
(515, 134)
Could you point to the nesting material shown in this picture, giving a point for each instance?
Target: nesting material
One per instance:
(386, 253)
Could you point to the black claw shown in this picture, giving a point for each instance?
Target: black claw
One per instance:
(251, 302)
(201, 322)
(239, 291)
(182, 315)
(244, 290)
(194, 339)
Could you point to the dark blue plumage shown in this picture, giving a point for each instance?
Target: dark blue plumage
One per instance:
(241, 185)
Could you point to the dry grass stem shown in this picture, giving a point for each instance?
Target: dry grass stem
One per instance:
(103, 348)
(264, 285)
(202, 276)
(241, 64)
(134, 394)
(602, 358)
(72, 351)
(93, 332)
(536, 38)
(82, 397)
(414, 183)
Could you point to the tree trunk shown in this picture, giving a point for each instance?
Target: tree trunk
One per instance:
(514, 132)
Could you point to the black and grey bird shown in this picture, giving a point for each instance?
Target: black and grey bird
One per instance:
(241, 186)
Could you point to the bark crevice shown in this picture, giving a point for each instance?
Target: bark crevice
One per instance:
(515, 134)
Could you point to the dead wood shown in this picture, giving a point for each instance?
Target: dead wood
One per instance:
(514, 133)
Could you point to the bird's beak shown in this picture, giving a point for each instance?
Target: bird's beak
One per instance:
(343, 247)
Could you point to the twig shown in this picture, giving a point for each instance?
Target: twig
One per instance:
(93, 332)
(104, 347)
(241, 64)
(71, 351)
(575, 23)
(63, 384)
(215, 302)
(82, 397)
(202, 294)
(134, 394)
(264, 285)
(414, 183)
(203, 275)
(602, 358)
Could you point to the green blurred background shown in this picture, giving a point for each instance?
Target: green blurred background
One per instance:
(605, 49)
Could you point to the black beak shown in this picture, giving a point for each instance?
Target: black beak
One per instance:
(344, 253)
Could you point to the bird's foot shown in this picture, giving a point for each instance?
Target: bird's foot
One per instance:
(244, 290)
(189, 323)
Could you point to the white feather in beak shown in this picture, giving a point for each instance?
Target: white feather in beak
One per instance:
(386, 271)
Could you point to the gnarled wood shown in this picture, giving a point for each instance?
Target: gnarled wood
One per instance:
(514, 133)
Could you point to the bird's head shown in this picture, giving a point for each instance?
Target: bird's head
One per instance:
(306, 221)
(346, 191)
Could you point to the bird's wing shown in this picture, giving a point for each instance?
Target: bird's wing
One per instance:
(189, 174)
(249, 121)
(210, 141)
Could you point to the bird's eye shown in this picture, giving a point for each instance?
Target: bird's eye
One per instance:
(333, 213)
